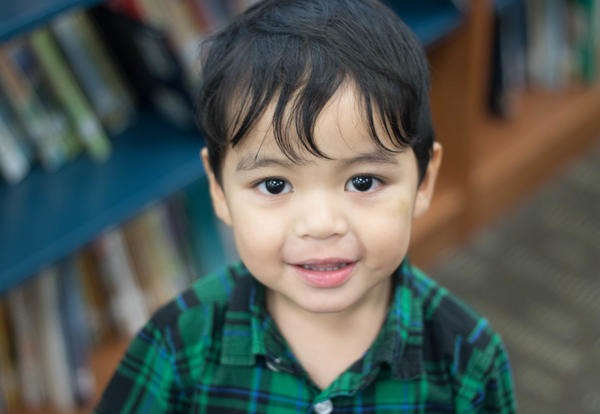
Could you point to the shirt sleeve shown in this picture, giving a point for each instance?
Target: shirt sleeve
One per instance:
(146, 378)
(499, 396)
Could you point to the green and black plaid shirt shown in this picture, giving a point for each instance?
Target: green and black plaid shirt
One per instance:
(215, 349)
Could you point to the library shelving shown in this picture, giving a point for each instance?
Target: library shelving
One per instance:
(491, 163)
(49, 215)
(488, 165)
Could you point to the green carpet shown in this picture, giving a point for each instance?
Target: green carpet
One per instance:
(536, 276)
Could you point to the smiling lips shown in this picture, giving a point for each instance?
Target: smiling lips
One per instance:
(327, 273)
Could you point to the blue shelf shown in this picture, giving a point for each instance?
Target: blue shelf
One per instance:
(431, 20)
(20, 16)
(48, 216)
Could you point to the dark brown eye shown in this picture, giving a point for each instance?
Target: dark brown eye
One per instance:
(273, 186)
(362, 183)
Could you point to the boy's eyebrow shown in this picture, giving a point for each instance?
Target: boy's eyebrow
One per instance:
(375, 157)
(251, 162)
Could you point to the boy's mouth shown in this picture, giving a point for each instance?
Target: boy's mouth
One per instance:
(326, 267)
(325, 273)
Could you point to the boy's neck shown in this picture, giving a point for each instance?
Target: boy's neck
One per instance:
(343, 337)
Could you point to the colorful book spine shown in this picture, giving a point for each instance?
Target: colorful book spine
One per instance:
(45, 115)
(14, 161)
(70, 95)
(95, 70)
(30, 112)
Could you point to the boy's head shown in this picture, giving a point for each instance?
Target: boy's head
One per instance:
(320, 148)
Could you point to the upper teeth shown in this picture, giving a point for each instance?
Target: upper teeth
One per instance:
(324, 268)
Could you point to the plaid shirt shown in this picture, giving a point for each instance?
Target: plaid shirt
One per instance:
(215, 349)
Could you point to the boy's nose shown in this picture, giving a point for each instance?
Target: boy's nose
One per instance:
(320, 217)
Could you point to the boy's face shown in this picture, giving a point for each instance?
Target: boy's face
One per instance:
(324, 235)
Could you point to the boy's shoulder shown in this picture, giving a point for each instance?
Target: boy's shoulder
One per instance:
(202, 301)
(451, 329)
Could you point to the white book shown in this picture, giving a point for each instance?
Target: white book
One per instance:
(53, 350)
(127, 301)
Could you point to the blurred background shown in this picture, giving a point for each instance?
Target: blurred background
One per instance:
(104, 209)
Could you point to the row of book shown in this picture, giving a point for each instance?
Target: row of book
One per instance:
(543, 44)
(109, 288)
(60, 94)
(71, 85)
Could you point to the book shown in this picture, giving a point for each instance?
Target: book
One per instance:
(509, 73)
(9, 381)
(548, 52)
(94, 68)
(54, 362)
(159, 267)
(586, 36)
(72, 311)
(151, 65)
(71, 96)
(96, 297)
(40, 110)
(14, 160)
(187, 35)
(27, 345)
(128, 7)
(126, 300)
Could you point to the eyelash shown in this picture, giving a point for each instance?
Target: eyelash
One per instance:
(264, 180)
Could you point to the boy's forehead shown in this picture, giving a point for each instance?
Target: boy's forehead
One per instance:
(341, 130)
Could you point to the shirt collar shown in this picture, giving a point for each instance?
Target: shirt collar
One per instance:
(249, 330)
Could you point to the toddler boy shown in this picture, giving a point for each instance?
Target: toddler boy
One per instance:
(320, 152)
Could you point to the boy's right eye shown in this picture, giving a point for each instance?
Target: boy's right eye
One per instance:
(274, 186)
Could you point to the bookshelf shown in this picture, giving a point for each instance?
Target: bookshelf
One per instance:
(47, 216)
(489, 164)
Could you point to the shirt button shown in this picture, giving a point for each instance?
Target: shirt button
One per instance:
(324, 407)
(272, 367)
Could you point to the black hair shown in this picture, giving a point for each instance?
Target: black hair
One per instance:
(296, 54)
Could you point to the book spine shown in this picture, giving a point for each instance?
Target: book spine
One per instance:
(30, 112)
(52, 340)
(70, 95)
(9, 380)
(53, 125)
(127, 302)
(26, 343)
(93, 66)
(161, 243)
(14, 163)
(96, 297)
(76, 330)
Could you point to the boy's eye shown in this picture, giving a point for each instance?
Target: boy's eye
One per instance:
(274, 186)
(362, 183)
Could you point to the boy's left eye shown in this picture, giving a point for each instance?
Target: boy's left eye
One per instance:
(362, 183)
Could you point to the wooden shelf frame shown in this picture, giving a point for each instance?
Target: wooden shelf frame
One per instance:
(491, 164)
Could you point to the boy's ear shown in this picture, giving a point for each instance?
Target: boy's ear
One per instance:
(216, 191)
(425, 190)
